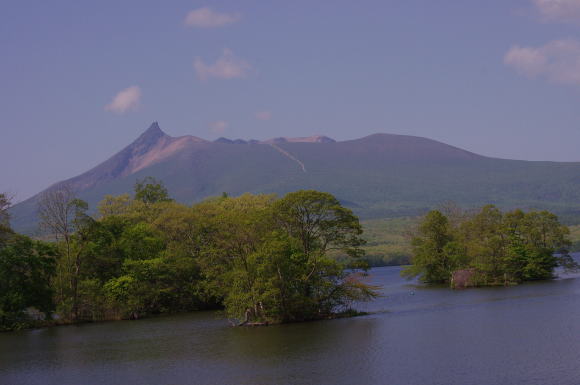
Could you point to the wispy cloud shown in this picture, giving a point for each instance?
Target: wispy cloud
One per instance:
(218, 127)
(558, 61)
(227, 66)
(558, 10)
(263, 115)
(125, 100)
(206, 18)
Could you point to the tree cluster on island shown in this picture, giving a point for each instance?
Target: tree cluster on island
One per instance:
(260, 258)
(488, 247)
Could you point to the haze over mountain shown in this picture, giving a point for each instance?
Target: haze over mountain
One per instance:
(379, 175)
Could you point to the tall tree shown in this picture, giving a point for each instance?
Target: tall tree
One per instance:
(320, 222)
(486, 242)
(313, 223)
(64, 216)
(435, 255)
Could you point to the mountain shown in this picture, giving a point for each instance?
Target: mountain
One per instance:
(380, 175)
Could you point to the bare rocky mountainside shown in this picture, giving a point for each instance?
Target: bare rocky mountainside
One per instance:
(381, 175)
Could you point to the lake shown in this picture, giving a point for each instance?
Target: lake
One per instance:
(528, 334)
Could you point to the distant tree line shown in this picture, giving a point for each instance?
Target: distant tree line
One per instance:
(488, 247)
(260, 258)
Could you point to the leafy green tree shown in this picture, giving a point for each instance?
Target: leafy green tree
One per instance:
(160, 270)
(154, 286)
(140, 241)
(279, 268)
(182, 229)
(105, 250)
(319, 222)
(485, 240)
(141, 290)
(538, 236)
(435, 255)
(149, 190)
(114, 205)
(135, 291)
(229, 233)
(26, 268)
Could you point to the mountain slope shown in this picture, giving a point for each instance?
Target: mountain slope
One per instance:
(378, 176)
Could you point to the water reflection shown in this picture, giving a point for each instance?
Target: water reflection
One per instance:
(529, 334)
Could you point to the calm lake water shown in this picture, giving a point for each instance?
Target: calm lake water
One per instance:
(529, 334)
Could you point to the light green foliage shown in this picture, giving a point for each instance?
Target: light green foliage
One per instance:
(437, 254)
(114, 205)
(139, 241)
(284, 272)
(497, 248)
(149, 190)
(319, 222)
(141, 289)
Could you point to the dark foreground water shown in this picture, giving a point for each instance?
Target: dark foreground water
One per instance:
(529, 334)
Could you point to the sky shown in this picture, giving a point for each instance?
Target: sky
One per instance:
(80, 80)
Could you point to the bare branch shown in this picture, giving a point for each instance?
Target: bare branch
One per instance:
(55, 212)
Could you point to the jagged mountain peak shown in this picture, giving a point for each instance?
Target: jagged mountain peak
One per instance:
(153, 133)
(154, 127)
(151, 147)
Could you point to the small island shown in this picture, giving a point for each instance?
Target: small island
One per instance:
(488, 247)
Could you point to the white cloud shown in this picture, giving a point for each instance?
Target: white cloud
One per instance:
(218, 127)
(125, 100)
(263, 115)
(227, 66)
(558, 10)
(558, 61)
(206, 18)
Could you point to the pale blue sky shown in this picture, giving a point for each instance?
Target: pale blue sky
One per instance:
(497, 77)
